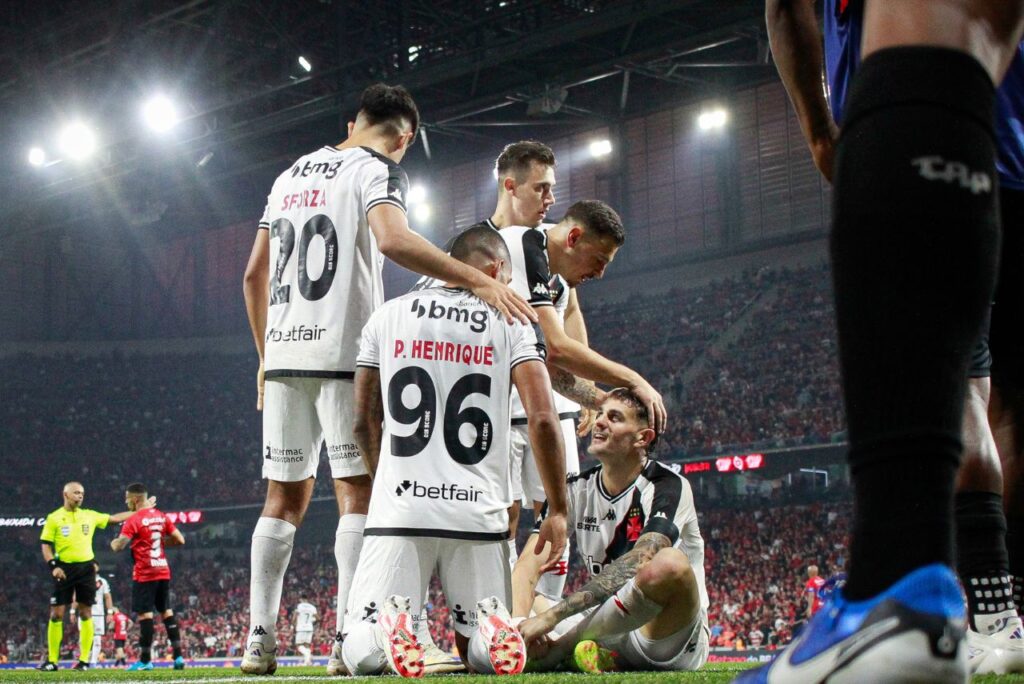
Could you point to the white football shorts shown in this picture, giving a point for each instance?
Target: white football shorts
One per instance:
(299, 415)
(469, 571)
(526, 483)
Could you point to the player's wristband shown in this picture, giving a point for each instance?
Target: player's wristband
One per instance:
(52, 563)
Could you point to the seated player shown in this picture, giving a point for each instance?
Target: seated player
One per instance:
(645, 605)
(433, 381)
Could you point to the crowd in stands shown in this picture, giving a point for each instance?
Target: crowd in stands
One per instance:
(766, 375)
(755, 560)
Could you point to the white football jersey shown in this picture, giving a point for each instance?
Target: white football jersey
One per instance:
(98, 609)
(325, 268)
(532, 279)
(445, 360)
(305, 616)
(606, 527)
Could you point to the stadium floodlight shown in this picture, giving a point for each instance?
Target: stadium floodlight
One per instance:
(417, 194)
(159, 113)
(601, 148)
(304, 63)
(36, 156)
(712, 119)
(77, 141)
(422, 212)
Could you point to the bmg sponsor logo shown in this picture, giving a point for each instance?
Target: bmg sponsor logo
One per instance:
(477, 320)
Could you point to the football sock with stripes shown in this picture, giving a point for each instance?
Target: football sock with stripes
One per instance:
(173, 635)
(914, 251)
(272, 542)
(145, 640)
(54, 635)
(86, 632)
(348, 542)
(982, 562)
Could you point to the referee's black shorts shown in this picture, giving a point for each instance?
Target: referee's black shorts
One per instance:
(151, 597)
(79, 584)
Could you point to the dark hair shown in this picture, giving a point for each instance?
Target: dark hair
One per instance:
(629, 397)
(390, 106)
(482, 240)
(598, 218)
(136, 488)
(518, 156)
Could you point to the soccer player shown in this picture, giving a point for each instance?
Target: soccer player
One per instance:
(102, 607)
(305, 618)
(121, 624)
(329, 219)
(67, 549)
(914, 247)
(148, 532)
(982, 559)
(435, 371)
(812, 590)
(645, 603)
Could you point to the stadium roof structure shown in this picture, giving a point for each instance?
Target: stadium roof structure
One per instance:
(481, 70)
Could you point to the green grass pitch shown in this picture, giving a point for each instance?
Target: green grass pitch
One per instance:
(713, 673)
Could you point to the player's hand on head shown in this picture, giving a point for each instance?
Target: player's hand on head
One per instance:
(259, 387)
(553, 531)
(506, 301)
(657, 416)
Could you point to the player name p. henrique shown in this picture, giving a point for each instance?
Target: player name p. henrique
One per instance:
(439, 350)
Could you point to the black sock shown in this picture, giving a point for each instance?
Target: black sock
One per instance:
(914, 248)
(173, 635)
(981, 558)
(145, 640)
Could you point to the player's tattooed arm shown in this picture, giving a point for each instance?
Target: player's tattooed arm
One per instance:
(583, 392)
(612, 578)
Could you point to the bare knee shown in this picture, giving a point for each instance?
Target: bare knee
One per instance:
(288, 501)
(56, 613)
(353, 494)
(665, 575)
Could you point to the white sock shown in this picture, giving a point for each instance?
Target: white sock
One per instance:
(348, 542)
(271, 550)
(552, 583)
(363, 650)
(513, 554)
(94, 657)
(423, 625)
(632, 611)
(479, 656)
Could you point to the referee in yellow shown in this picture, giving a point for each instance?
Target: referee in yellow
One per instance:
(67, 550)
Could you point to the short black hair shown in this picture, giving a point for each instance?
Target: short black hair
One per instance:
(630, 398)
(136, 488)
(390, 106)
(599, 218)
(518, 156)
(482, 240)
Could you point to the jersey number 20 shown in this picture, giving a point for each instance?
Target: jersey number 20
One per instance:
(424, 412)
(311, 290)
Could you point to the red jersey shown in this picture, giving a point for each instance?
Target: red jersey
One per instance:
(120, 626)
(813, 586)
(147, 529)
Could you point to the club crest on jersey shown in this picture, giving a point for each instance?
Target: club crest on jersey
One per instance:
(85, 529)
(445, 492)
(477, 319)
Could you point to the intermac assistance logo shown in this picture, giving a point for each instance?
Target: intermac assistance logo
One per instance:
(445, 492)
(276, 455)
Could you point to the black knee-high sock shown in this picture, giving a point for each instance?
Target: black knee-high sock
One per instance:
(914, 248)
(981, 558)
(173, 635)
(145, 640)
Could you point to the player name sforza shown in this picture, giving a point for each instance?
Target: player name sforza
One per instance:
(306, 198)
(439, 350)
